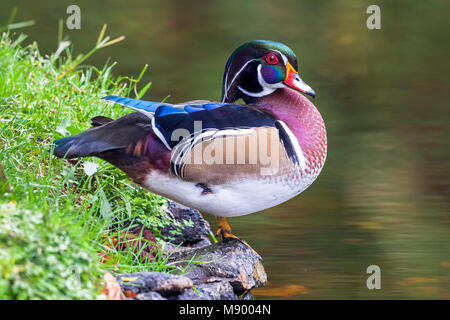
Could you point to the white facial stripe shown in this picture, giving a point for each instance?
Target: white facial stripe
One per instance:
(268, 88)
(234, 78)
(254, 94)
(226, 86)
(285, 59)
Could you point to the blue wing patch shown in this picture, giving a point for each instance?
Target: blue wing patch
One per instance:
(212, 106)
(163, 111)
(193, 108)
(138, 105)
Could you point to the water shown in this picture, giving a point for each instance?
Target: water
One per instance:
(383, 197)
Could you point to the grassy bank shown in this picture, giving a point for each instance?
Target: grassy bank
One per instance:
(58, 220)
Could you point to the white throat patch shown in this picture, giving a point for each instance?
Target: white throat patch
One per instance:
(268, 88)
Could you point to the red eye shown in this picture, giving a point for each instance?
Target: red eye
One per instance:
(271, 59)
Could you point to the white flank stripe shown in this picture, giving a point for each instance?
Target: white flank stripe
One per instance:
(297, 147)
(159, 134)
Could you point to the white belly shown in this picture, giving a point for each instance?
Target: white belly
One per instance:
(235, 198)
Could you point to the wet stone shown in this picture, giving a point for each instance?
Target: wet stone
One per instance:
(220, 290)
(230, 261)
(163, 283)
(197, 230)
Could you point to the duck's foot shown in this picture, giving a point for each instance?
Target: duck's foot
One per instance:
(225, 230)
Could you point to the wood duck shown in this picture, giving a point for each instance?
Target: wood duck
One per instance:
(222, 158)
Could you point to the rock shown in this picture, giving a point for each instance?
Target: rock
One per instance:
(229, 260)
(200, 244)
(189, 234)
(220, 271)
(151, 295)
(247, 296)
(163, 283)
(170, 248)
(220, 290)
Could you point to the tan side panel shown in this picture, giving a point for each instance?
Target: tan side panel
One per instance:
(227, 158)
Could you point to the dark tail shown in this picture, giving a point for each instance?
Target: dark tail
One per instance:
(100, 120)
(106, 135)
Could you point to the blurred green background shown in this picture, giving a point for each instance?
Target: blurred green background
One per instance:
(383, 197)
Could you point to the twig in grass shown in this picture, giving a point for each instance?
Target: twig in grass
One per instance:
(101, 43)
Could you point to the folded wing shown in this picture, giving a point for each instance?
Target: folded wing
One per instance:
(212, 140)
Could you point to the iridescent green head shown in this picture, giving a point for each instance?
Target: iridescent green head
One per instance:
(258, 68)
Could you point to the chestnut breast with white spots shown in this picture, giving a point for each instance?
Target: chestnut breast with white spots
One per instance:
(305, 122)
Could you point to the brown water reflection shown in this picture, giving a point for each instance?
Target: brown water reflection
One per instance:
(384, 195)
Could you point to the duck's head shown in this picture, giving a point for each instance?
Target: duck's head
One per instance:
(258, 68)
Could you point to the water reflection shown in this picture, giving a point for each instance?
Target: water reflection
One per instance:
(383, 196)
